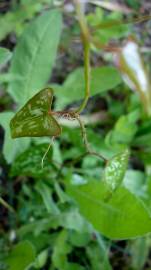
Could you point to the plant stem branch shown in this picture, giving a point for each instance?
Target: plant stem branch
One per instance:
(6, 205)
(86, 143)
(86, 47)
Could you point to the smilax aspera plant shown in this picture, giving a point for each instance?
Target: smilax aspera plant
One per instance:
(107, 201)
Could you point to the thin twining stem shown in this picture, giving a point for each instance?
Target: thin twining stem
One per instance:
(84, 134)
(6, 205)
(86, 143)
(71, 115)
(86, 49)
(45, 154)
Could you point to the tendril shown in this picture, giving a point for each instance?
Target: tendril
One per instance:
(45, 154)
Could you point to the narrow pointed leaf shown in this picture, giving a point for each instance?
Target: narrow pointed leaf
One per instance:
(35, 119)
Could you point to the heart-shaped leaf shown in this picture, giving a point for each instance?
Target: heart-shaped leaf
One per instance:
(35, 119)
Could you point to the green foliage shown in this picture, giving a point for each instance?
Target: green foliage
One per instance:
(107, 27)
(5, 55)
(139, 251)
(24, 254)
(29, 162)
(95, 185)
(118, 210)
(102, 79)
(27, 68)
(35, 119)
(11, 147)
(115, 171)
(16, 19)
(124, 130)
(61, 249)
(36, 51)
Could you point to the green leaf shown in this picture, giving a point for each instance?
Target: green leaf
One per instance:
(41, 259)
(79, 239)
(21, 257)
(115, 171)
(122, 216)
(61, 250)
(124, 130)
(5, 55)
(34, 56)
(19, 16)
(35, 119)
(102, 79)
(72, 220)
(28, 163)
(98, 254)
(46, 194)
(8, 77)
(106, 27)
(11, 148)
(135, 182)
(139, 249)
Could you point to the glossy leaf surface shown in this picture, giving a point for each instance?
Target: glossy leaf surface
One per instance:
(122, 216)
(115, 170)
(28, 163)
(34, 119)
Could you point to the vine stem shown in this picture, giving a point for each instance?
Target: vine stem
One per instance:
(86, 143)
(45, 154)
(71, 115)
(86, 48)
(6, 205)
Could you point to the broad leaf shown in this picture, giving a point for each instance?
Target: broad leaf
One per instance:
(11, 148)
(122, 216)
(34, 56)
(102, 79)
(35, 119)
(21, 257)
